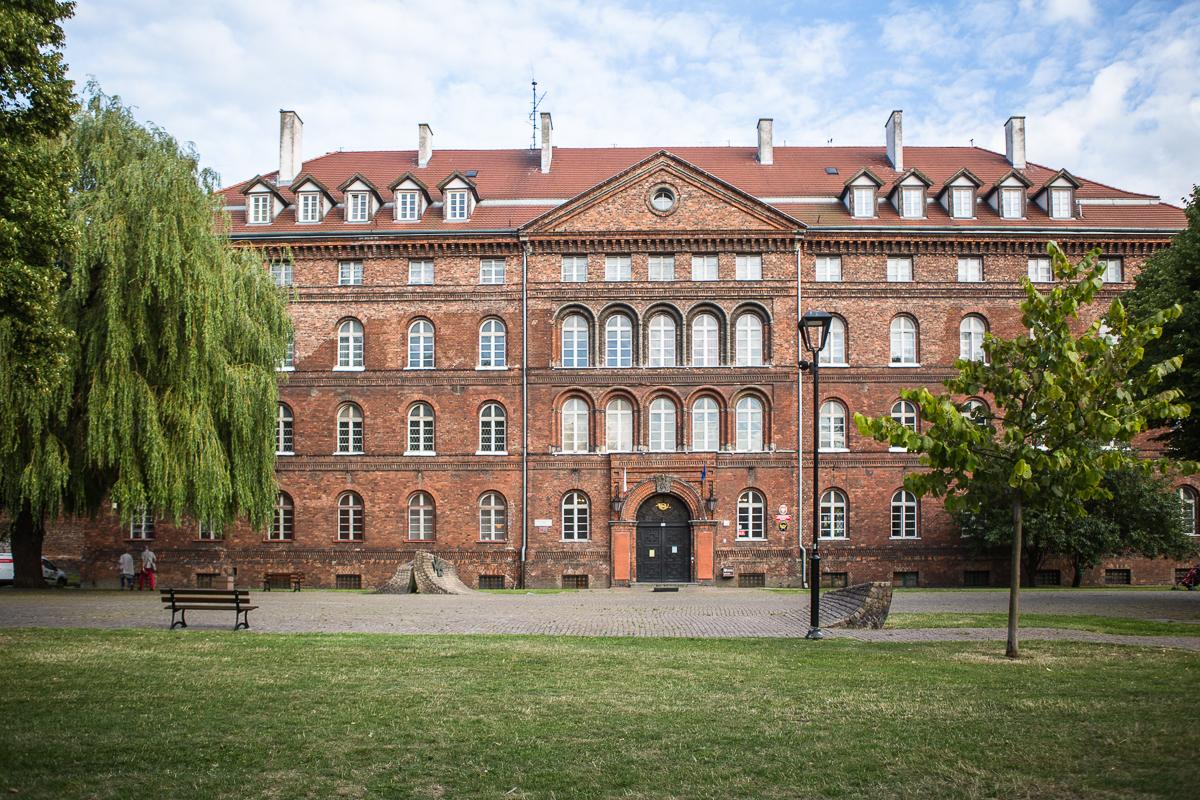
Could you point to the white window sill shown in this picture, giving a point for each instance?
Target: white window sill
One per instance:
(420, 453)
(349, 369)
(357, 221)
(824, 538)
(285, 369)
(904, 538)
(345, 285)
(285, 452)
(750, 539)
(417, 369)
(576, 541)
(904, 366)
(571, 452)
(421, 283)
(348, 452)
(897, 449)
(833, 450)
(491, 369)
(489, 453)
(743, 452)
(491, 283)
(842, 365)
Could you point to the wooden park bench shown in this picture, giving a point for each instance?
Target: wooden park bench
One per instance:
(181, 601)
(272, 580)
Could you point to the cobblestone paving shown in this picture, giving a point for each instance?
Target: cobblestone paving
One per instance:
(694, 612)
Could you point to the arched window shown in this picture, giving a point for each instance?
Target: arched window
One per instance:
(575, 426)
(618, 426)
(662, 425)
(833, 514)
(575, 344)
(492, 344)
(970, 337)
(618, 341)
(662, 341)
(421, 517)
(350, 429)
(905, 413)
(749, 341)
(833, 425)
(420, 345)
(283, 430)
(420, 428)
(706, 425)
(576, 517)
(749, 413)
(493, 517)
(350, 345)
(350, 517)
(904, 515)
(706, 347)
(281, 523)
(1187, 496)
(904, 340)
(493, 423)
(834, 352)
(750, 515)
(976, 410)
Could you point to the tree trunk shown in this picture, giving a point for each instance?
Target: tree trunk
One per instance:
(27, 535)
(1014, 589)
(1077, 581)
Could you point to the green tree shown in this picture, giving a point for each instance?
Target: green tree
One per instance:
(1054, 393)
(36, 105)
(1173, 276)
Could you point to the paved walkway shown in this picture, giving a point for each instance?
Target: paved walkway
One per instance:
(694, 611)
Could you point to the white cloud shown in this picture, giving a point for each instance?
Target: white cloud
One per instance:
(1079, 11)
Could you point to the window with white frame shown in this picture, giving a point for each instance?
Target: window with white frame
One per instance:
(903, 340)
(829, 269)
(833, 514)
(420, 428)
(904, 515)
(834, 351)
(493, 424)
(962, 202)
(751, 515)
(833, 426)
(905, 413)
(618, 341)
(618, 268)
(350, 517)
(1187, 498)
(493, 517)
(420, 345)
(662, 425)
(748, 415)
(1040, 270)
(704, 268)
(863, 202)
(491, 270)
(283, 430)
(309, 209)
(618, 426)
(357, 206)
(574, 269)
(420, 272)
(705, 341)
(662, 341)
(748, 341)
(281, 273)
(575, 437)
(350, 345)
(748, 268)
(283, 520)
(350, 273)
(912, 202)
(970, 269)
(492, 344)
(456, 205)
(349, 429)
(210, 531)
(661, 268)
(260, 208)
(142, 524)
(706, 425)
(288, 362)
(575, 344)
(976, 411)
(1060, 203)
(1114, 270)
(576, 517)
(899, 269)
(970, 338)
(1012, 203)
(421, 518)
(407, 206)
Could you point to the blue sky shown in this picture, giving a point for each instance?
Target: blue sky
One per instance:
(1110, 90)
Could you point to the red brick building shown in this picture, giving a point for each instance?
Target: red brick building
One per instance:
(578, 366)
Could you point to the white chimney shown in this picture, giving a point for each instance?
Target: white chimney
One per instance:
(895, 140)
(547, 145)
(291, 133)
(1014, 142)
(766, 141)
(424, 144)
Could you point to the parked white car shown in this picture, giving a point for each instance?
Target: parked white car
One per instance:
(53, 575)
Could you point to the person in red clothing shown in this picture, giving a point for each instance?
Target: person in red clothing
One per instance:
(149, 566)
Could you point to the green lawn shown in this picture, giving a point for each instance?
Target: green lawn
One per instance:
(1083, 622)
(117, 714)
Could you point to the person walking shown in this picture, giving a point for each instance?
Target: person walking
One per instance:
(125, 567)
(149, 565)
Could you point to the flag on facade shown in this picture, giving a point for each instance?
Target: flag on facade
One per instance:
(703, 472)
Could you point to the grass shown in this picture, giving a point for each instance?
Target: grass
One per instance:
(1083, 622)
(205, 714)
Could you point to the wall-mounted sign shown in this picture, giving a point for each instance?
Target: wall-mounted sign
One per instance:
(542, 523)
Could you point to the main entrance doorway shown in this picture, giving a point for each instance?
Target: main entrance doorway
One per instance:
(664, 540)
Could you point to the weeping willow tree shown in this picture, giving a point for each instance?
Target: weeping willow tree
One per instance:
(171, 406)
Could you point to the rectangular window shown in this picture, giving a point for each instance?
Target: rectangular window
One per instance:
(618, 268)
(752, 580)
(829, 269)
(1118, 577)
(288, 362)
(1039, 270)
(281, 272)
(1114, 270)
(1010, 203)
(836, 580)
(356, 206)
(349, 273)
(406, 206)
(310, 207)
(661, 268)
(491, 581)
(907, 580)
(977, 577)
(260, 208)
(899, 269)
(1047, 577)
(491, 270)
(210, 531)
(574, 269)
(1060, 203)
(348, 582)
(574, 581)
(204, 580)
(704, 268)
(420, 272)
(912, 202)
(970, 269)
(864, 202)
(748, 268)
(456, 205)
(142, 525)
(961, 203)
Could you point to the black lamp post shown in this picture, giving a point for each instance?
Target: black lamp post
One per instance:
(618, 500)
(814, 330)
(710, 502)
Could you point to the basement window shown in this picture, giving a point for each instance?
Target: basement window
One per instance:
(204, 580)
(574, 581)
(836, 580)
(906, 580)
(348, 582)
(1118, 577)
(1047, 577)
(491, 581)
(752, 580)
(977, 577)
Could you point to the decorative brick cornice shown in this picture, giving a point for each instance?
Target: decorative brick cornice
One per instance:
(300, 249)
(873, 290)
(398, 463)
(401, 377)
(647, 376)
(407, 294)
(680, 291)
(1075, 243)
(641, 241)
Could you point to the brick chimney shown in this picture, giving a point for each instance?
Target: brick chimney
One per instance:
(291, 131)
(547, 144)
(424, 144)
(1014, 142)
(895, 140)
(766, 141)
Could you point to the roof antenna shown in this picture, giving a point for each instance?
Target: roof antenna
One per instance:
(829, 141)
(972, 143)
(533, 117)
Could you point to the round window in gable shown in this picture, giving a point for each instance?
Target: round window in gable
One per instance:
(662, 199)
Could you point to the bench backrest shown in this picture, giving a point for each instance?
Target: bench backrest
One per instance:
(217, 598)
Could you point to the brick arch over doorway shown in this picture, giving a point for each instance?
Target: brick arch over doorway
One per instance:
(662, 484)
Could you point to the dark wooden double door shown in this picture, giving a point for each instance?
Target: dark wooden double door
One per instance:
(664, 540)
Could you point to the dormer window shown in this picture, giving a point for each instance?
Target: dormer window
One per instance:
(1060, 203)
(912, 202)
(863, 201)
(456, 205)
(962, 202)
(407, 206)
(357, 204)
(309, 209)
(260, 208)
(1011, 203)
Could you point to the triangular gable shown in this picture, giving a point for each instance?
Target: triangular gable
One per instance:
(259, 180)
(903, 180)
(408, 177)
(674, 168)
(306, 183)
(358, 178)
(1062, 176)
(458, 176)
(862, 173)
(954, 180)
(1011, 175)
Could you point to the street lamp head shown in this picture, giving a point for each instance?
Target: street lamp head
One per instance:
(710, 502)
(814, 329)
(618, 502)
